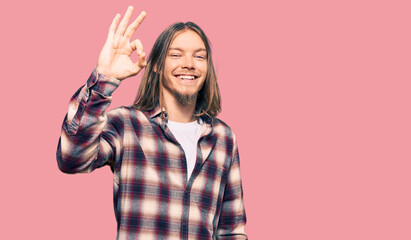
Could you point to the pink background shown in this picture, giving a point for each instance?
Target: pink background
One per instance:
(317, 92)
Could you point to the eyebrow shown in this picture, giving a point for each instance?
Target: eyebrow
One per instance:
(197, 50)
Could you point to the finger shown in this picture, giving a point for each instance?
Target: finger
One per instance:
(122, 27)
(140, 64)
(114, 23)
(142, 60)
(137, 45)
(133, 26)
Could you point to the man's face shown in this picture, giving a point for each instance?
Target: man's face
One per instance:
(185, 66)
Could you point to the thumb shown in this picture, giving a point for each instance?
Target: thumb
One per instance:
(141, 63)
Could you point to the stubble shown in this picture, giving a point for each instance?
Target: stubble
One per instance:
(185, 99)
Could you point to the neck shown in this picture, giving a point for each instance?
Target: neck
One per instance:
(178, 112)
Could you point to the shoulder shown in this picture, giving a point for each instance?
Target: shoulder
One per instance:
(127, 114)
(225, 136)
(126, 111)
(223, 131)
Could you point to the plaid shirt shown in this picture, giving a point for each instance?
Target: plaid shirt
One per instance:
(152, 197)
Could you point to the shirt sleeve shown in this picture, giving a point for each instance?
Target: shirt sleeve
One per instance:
(232, 217)
(88, 140)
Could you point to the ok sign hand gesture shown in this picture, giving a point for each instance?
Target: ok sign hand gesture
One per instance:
(114, 59)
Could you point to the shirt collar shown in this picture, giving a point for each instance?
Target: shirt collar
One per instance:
(157, 112)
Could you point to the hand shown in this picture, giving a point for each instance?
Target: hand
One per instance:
(114, 59)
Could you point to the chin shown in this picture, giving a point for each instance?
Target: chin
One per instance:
(186, 98)
(184, 90)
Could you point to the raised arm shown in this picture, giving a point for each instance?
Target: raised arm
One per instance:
(89, 139)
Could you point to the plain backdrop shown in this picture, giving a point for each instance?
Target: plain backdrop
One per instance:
(317, 92)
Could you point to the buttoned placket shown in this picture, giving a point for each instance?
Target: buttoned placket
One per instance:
(200, 159)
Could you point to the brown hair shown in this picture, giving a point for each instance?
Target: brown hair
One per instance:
(149, 93)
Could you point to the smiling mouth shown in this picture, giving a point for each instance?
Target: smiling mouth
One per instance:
(186, 77)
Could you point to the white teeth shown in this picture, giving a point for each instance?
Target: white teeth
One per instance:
(186, 77)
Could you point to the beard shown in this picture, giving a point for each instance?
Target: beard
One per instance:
(185, 99)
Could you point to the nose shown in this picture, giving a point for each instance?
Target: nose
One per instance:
(187, 62)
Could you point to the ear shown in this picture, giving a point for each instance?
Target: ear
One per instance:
(155, 68)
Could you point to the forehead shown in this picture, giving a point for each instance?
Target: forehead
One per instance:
(187, 40)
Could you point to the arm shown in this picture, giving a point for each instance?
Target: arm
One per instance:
(232, 218)
(83, 146)
(89, 138)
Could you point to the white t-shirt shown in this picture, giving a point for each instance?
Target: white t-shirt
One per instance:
(187, 134)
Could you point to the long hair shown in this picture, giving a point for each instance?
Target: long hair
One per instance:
(150, 94)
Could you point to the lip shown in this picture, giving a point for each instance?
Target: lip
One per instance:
(186, 81)
(186, 74)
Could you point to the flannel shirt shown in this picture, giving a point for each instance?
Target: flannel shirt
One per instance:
(152, 197)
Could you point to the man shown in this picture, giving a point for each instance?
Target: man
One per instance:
(176, 167)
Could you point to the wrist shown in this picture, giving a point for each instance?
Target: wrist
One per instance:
(104, 72)
(102, 83)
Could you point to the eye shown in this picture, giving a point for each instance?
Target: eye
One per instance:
(201, 57)
(175, 55)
